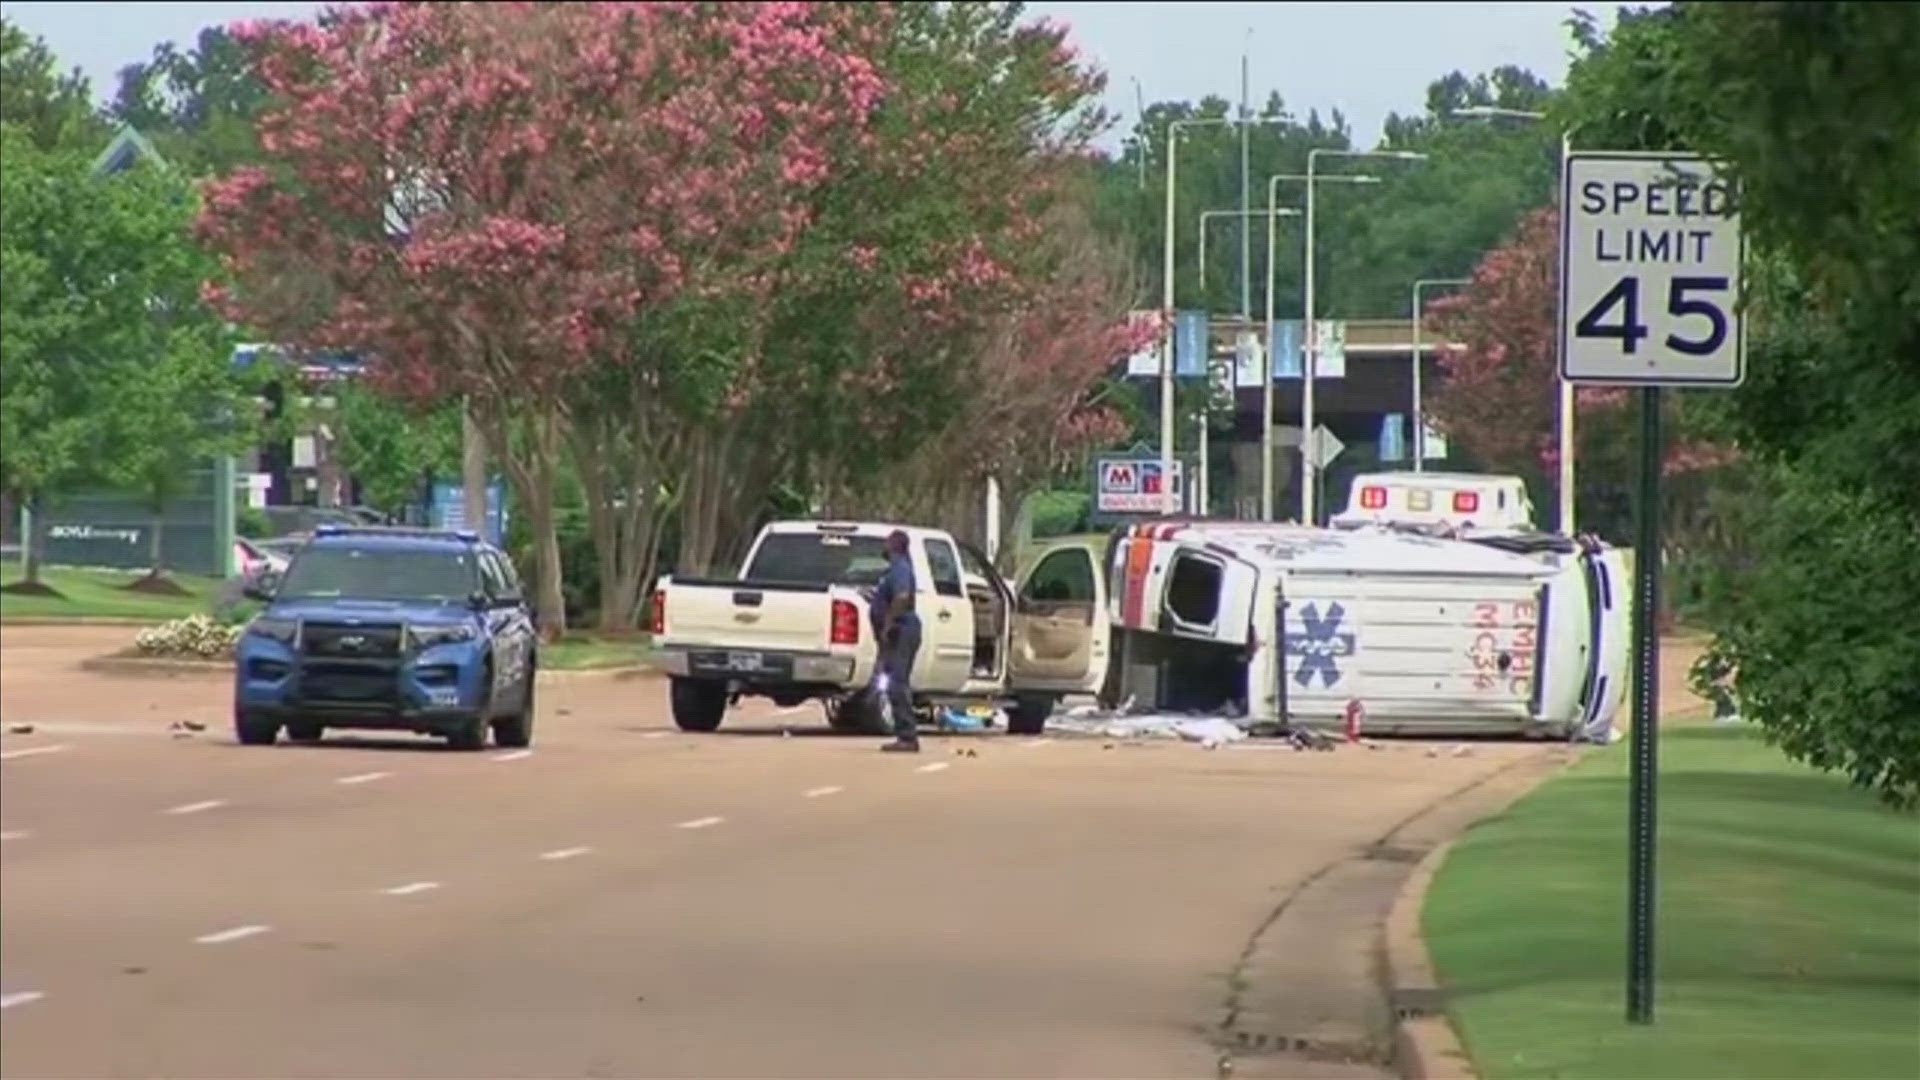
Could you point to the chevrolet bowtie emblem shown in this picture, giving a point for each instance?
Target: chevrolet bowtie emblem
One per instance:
(746, 616)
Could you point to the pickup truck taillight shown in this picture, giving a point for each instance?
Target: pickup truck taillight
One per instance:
(657, 619)
(846, 623)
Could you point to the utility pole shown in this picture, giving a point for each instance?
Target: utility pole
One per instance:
(1246, 218)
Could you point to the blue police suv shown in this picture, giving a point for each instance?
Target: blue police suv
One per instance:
(389, 629)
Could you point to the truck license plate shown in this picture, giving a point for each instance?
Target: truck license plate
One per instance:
(745, 661)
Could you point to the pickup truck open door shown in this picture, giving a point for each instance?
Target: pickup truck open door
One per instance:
(1059, 626)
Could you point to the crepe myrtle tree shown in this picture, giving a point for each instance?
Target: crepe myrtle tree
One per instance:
(569, 170)
(922, 243)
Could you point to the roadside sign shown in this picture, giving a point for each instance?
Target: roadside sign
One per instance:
(1135, 485)
(1191, 343)
(1146, 361)
(1330, 349)
(1326, 446)
(1248, 359)
(1650, 272)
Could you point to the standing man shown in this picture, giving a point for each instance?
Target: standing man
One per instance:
(897, 630)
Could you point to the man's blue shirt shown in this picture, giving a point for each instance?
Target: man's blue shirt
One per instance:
(897, 581)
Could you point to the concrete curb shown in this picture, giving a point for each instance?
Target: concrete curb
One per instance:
(1424, 1044)
(150, 666)
(1423, 1041)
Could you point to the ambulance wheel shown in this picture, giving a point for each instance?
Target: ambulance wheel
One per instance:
(1029, 713)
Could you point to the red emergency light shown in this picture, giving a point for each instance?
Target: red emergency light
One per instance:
(1373, 498)
(1466, 502)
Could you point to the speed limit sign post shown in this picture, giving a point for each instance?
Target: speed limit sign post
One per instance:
(1651, 256)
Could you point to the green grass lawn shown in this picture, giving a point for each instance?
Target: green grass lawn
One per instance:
(1788, 924)
(584, 650)
(97, 594)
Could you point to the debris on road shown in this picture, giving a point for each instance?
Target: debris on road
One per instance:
(20, 729)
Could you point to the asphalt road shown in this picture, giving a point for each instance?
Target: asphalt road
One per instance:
(626, 900)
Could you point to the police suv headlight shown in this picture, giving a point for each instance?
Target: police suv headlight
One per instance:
(281, 630)
(424, 637)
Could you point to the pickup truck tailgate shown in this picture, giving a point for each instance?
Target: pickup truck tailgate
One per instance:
(743, 615)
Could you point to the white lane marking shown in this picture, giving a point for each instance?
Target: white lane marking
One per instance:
(1037, 742)
(819, 791)
(410, 889)
(934, 767)
(196, 807)
(29, 751)
(363, 778)
(221, 937)
(19, 997)
(701, 823)
(565, 853)
(656, 734)
(15, 834)
(513, 755)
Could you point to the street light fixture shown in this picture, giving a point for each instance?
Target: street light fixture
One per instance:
(1209, 215)
(1310, 469)
(1496, 110)
(1266, 390)
(1419, 416)
(1166, 288)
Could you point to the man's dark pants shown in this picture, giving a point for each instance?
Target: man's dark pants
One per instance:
(896, 659)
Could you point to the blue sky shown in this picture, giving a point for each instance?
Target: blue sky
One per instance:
(1366, 59)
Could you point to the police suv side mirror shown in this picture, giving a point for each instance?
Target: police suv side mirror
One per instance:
(261, 586)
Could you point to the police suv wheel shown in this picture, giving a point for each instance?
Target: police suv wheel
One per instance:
(252, 729)
(516, 731)
(305, 730)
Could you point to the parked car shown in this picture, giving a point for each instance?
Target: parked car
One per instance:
(793, 627)
(389, 629)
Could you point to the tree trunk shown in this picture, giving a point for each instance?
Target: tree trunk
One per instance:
(30, 540)
(530, 465)
(156, 562)
(473, 469)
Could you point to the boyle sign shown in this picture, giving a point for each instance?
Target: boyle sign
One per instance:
(1651, 254)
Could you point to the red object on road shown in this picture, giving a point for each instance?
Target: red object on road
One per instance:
(1356, 712)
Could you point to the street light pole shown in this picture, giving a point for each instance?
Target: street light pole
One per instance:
(1166, 298)
(1266, 389)
(1309, 468)
(1419, 440)
(1566, 405)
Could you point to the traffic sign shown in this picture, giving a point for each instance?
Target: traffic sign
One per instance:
(1325, 446)
(1650, 272)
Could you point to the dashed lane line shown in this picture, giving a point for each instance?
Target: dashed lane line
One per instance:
(197, 807)
(30, 751)
(363, 778)
(15, 834)
(702, 823)
(513, 755)
(1037, 742)
(19, 997)
(412, 888)
(936, 766)
(221, 937)
(564, 853)
(816, 793)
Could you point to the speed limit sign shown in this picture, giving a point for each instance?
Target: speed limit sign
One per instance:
(1650, 272)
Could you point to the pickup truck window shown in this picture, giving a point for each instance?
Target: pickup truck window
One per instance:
(945, 567)
(819, 559)
(381, 574)
(1061, 577)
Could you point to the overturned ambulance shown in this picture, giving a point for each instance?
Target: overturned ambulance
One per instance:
(1415, 629)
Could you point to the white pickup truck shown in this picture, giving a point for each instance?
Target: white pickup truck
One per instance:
(794, 627)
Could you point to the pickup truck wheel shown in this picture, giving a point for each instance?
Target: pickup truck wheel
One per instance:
(698, 704)
(855, 714)
(1029, 713)
(252, 729)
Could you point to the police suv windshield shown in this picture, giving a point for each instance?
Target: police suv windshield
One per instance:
(819, 559)
(381, 573)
